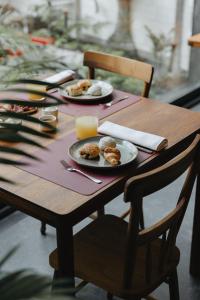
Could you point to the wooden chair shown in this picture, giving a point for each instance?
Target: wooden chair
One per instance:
(124, 260)
(123, 66)
(120, 65)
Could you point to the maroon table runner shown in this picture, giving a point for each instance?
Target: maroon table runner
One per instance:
(99, 109)
(51, 169)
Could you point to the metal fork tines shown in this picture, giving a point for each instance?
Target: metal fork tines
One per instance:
(108, 104)
(71, 169)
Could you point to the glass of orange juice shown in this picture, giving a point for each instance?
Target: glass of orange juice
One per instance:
(37, 88)
(86, 126)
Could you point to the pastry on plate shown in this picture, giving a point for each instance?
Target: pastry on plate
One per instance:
(89, 151)
(18, 108)
(94, 90)
(74, 90)
(107, 141)
(84, 84)
(112, 155)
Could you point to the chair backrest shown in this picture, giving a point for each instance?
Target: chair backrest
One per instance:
(167, 228)
(120, 65)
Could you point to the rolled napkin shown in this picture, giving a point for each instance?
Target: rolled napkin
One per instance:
(147, 140)
(61, 77)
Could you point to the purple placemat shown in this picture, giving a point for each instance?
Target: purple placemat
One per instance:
(75, 109)
(99, 109)
(51, 169)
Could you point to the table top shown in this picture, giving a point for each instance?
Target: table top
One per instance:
(194, 40)
(47, 201)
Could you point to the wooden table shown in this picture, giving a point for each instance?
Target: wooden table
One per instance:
(194, 40)
(63, 208)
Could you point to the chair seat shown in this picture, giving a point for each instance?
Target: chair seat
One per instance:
(99, 253)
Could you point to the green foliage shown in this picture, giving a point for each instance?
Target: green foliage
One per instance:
(25, 284)
(59, 24)
(23, 133)
(161, 42)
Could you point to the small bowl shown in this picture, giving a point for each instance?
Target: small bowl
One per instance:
(51, 110)
(50, 120)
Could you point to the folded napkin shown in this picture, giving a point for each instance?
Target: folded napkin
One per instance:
(147, 140)
(61, 77)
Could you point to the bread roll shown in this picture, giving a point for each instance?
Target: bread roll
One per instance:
(84, 84)
(94, 90)
(112, 155)
(89, 151)
(107, 141)
(74, 90)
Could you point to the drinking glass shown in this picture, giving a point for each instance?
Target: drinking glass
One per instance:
(86, 126)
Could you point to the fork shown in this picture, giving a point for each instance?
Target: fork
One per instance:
(108, 104)
(71, 169)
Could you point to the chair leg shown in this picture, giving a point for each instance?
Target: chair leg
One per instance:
(101, 212)
(43, 228)
(109, 296)
(150, 297)
(59, 284)
(142, 220)
(173, 286)
(124, 215)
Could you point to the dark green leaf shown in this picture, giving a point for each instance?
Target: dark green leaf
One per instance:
(32, 91)
(8, 255)
(24, 286)
(17, 152)
(6, 180)
(22, 128)
(28, 103)
(7, 161)
(24, 117)
(37, 82)
(16, 138)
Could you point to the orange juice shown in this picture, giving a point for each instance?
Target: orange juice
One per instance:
(86, 126)
(38, 88)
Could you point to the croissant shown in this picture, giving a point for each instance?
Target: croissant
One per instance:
(112, 155)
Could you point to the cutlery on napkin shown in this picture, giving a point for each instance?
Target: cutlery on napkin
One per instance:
(144, 139)
(61, 77)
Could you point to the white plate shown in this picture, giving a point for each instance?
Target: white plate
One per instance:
(106, 88)
(128, 151)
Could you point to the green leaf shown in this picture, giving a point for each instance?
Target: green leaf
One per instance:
(17, 152)
(32, 91)
(8, 256)
(37, 82)
(23, 285)
(24, 117)
(28, 103)
(3, 179)
(7, 161)
(16, 138)
(22, 128)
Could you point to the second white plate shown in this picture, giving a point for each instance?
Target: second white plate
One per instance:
(106, 88)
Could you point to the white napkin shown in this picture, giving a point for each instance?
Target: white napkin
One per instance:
(61, 77)
(148, 140)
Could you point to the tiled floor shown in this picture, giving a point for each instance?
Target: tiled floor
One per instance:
(24, 231)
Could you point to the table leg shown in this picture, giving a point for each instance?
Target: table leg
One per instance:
(65, 255)
(195, 248)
